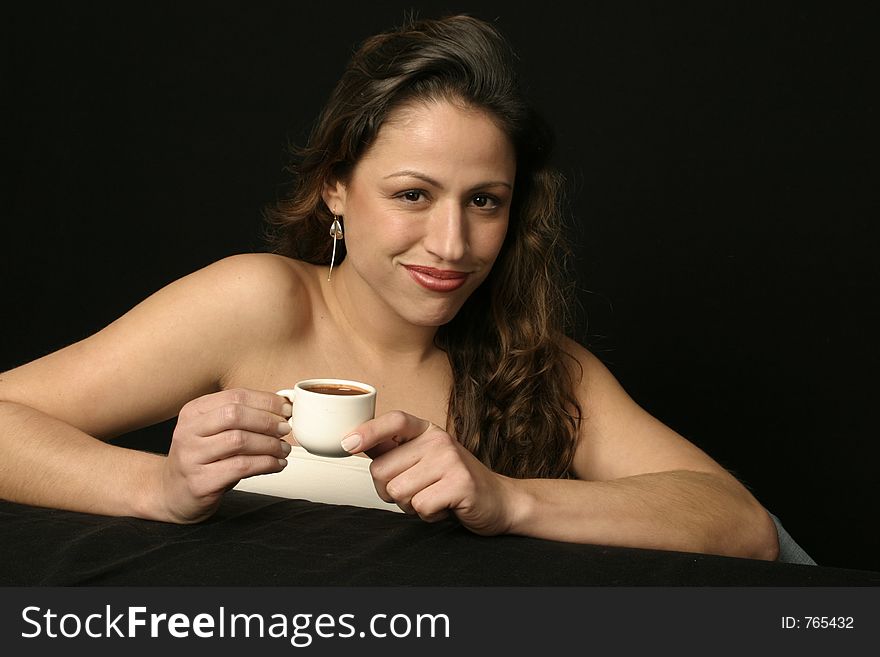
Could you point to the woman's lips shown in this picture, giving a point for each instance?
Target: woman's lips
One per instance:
(437, 280)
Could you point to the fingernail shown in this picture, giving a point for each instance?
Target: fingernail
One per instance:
(287, 410)
(282, 462)
(352, 442)
(283, 428)
(285, 447)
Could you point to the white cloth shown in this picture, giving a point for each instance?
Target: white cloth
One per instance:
(344, 480)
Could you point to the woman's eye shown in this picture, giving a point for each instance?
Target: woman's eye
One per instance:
(485, 201)
(413, 196)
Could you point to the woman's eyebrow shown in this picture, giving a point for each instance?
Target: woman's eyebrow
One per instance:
(410, 173)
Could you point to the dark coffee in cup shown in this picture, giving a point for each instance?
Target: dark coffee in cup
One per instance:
(335, 389)
(327, 410)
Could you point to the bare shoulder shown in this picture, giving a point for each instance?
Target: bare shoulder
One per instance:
(175, 345)
(603, 400)
(619, 438)
(259, 276)
(265, 291)
(595, 385)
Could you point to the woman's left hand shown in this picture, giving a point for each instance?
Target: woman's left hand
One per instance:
(421, 468)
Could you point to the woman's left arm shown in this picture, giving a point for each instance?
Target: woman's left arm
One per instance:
(640, 484)
(682, 510)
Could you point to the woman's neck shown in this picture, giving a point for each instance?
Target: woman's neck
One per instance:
(374, 327)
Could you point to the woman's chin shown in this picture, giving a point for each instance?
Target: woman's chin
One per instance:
(434, 317)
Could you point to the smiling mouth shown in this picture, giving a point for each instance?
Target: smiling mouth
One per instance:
(437, 280)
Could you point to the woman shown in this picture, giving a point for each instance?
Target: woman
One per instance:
(417, 251)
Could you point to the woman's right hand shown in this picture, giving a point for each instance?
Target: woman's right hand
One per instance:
(220, 439)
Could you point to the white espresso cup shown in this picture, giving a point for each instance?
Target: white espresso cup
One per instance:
(326, 410)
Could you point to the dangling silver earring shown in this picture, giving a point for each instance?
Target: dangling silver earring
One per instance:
(336, 234)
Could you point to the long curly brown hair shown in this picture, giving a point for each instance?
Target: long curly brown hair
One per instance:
(512, 402)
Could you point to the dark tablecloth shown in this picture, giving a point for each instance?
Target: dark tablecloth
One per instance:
(259, 540)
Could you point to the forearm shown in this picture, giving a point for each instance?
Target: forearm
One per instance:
(682, 510)
(47, 462)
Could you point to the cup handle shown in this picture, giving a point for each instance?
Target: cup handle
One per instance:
(287, 393)
(290, 395)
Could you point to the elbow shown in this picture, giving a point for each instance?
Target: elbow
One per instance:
(744, 529)
(766, 540)
(756, 536)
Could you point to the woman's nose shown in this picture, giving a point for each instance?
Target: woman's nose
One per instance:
(446, 234)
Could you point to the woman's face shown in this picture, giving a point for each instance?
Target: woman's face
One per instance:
(426, 209)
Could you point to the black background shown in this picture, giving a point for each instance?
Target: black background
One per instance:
(723, 187)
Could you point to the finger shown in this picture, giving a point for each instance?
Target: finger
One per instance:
(394, 426)
(434, 517)
(381, 448)
(232, 415)
(387, 466)
(224, 474)
(399, 476)
(236, 441)
(258, 399)
(431, 504)
(429, 512)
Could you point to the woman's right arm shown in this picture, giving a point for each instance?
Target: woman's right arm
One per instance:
(165, 357)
